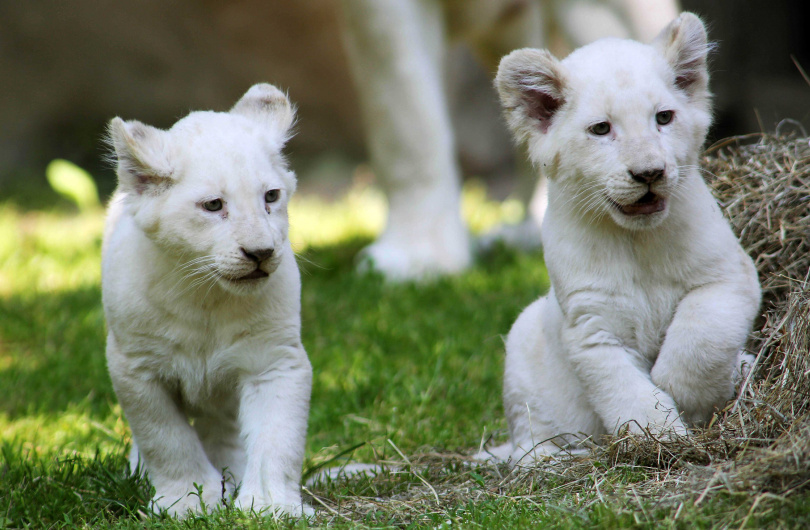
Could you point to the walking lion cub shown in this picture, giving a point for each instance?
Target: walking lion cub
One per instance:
(652, 296)
(202, 299)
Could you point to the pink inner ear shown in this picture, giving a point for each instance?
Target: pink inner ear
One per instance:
(270, 102)
(141, 183)
(541, 106)
(688, 73)
(685, 80)
(147, 183)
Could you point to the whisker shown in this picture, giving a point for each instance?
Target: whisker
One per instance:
(301, 258)
(700, 169)
(198, 270)
(213, 278)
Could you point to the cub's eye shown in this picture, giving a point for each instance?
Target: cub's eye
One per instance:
(272, 195)
(664, 117)
(600, 129)
(214, 205)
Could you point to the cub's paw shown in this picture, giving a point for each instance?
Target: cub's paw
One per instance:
(745, 363)
(665, 426)
(179, 500)
(292, 506)
(497, 454)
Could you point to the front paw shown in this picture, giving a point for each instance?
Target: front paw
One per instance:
(696, 399)
(668, 425)
(178, 500)
(289, 504)
(655, 413)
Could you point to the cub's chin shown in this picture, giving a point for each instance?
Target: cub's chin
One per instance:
(248, 283)
(243, 286)
(647, 212)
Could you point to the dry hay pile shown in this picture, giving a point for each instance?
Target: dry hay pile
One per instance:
(764, 189)
(759, 444)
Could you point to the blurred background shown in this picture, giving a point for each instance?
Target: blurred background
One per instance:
(66, 68)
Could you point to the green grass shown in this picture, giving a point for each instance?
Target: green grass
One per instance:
(410, 369)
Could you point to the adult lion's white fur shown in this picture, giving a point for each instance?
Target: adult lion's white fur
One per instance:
(652, 296)
(202, 299)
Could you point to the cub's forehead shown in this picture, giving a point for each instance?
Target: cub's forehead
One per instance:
(225, 129)
(618, 72)
(617, 62)
(224, 147)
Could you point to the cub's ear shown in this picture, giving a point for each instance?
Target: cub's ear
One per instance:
(686, 48)
(140, 151)
(270, 106)
(531, 84)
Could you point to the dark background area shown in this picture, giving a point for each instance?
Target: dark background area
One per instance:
(66, 68)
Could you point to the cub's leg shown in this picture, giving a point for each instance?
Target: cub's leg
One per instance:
(700, 359)
(395, 49)
(273, 412)
(544, 400)
(616, 379)
(165, 442)
(221, 438)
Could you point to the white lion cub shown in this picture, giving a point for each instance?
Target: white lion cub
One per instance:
(652, 296)
(202, 299)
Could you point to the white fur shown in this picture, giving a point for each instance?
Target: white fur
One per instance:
(209, 369)
(648, 313)
(397, 49)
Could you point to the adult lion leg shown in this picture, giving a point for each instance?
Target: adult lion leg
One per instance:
(584, 21)
(396, 50)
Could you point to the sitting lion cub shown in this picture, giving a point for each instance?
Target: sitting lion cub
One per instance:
(202, 299)
(652, 296)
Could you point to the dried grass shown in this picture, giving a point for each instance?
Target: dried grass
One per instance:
(764, 188)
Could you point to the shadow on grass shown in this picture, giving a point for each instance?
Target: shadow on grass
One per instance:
(52, 352)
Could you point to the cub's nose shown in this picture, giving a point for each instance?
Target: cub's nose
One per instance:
(648, 176)
(257, 254)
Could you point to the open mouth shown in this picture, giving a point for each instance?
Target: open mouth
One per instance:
(650, 203)
(255, 275)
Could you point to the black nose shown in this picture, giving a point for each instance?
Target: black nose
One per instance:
(258, 254)
(647, 177)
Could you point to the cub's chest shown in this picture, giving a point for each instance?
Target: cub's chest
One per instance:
(200, 361)
(205, 336)
(627, 286)
(645, 314)
(621, 304)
